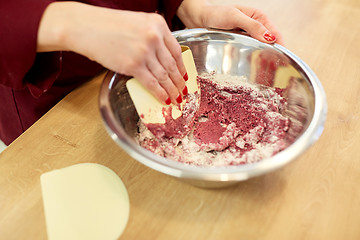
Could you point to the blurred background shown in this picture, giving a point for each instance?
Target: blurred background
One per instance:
(2, 146)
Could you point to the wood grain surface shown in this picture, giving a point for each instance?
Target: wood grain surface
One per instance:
(315, 197)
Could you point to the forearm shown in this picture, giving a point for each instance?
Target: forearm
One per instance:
(78, 27)
(133, 43)
(69, 26)
(54, 26)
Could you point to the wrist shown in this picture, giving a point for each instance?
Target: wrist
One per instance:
(57, 25)
(191, 13)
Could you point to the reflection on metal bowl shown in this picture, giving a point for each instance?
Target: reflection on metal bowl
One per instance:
(234, 54)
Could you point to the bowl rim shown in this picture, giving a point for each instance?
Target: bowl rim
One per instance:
(218, 173)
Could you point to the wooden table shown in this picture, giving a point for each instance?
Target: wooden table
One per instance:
(315, 197)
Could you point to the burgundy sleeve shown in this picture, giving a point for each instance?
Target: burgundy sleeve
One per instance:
(19, 22)
(169, 8)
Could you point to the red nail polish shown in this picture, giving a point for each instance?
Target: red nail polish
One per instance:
(168, 101)
(179, 99)
(269, 37)
(185, 90)
(186, 77)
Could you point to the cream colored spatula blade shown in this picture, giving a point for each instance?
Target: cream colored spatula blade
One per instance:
(148, 107)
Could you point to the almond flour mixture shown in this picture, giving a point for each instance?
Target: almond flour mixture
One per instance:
(237, 122)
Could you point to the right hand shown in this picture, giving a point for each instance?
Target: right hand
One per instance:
(132, 43)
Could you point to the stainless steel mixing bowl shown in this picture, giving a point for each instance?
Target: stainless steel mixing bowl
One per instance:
(234, 54)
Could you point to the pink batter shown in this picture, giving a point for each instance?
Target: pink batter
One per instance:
(237, 122)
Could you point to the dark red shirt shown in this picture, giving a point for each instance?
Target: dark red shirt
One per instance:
(31, 83)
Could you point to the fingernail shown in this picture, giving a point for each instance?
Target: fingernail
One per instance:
(168, 101)
(179, 99)
(185, 90)
(269, 37)
(186, 77)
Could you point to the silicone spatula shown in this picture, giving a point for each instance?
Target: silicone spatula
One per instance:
(151, 110)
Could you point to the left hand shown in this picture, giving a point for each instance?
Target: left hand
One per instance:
(200, 13)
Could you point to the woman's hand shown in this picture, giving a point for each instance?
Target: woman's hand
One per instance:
(200, 13)
(132, 43)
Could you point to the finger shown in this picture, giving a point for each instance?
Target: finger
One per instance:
(245, 20)
(147, 78)
(275, 32)
(175, 50)
(263, 24)
(163, 79)
(169, 64)
(263, 19)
